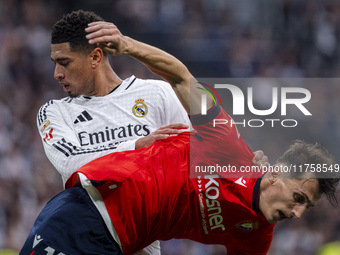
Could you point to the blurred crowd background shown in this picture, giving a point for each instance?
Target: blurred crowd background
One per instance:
(214, 38)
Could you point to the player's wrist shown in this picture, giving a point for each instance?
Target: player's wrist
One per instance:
(129, 46)
(138, 143)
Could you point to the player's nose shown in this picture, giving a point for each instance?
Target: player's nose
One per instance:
(58, 74)
(298, 211)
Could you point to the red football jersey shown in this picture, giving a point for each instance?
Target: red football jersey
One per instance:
(163, 191)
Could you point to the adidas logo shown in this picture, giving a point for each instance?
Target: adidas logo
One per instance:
(84, 116)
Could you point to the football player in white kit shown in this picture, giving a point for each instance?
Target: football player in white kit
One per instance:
(103, 114)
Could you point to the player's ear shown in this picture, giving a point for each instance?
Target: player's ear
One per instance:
(274, 174)
(96, 56)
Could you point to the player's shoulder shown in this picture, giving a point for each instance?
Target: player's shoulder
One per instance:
(154, 84)
(162, 85)
(50, 107)
(54, 103)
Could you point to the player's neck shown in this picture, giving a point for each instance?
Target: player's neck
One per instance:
(264, 187)
(106, 81)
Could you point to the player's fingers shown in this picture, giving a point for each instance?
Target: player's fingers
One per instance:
(99, 25)
(150, 139)
(98, 33)
(95, 23)
(108, 48)
(175, 125)
(263, 160)
(100, 30)
(266, 165)
(102, 39)
(179, 125)
(160, 137)
(169, 131)
(103, 32)
(257, 156)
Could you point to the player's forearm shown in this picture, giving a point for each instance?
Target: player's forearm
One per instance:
(158, 61)
(164, 65)
(172, 70)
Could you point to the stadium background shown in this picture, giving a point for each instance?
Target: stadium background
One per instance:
(214, 38)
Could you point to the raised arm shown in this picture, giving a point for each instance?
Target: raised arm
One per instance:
(107, 36)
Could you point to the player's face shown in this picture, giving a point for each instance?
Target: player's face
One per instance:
(288, 198)
(72, 70)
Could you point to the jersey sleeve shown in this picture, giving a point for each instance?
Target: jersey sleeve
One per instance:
(175, 112)
(61, 145)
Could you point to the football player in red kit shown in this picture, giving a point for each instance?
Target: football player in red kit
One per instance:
(153, 190)
(122, 202)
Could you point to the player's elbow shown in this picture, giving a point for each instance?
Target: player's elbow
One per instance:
(66, 168)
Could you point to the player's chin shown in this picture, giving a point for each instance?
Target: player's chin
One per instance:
(273, 218)
(278, 216)
(72, 94)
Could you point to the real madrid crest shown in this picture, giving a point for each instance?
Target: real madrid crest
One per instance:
(140, 109)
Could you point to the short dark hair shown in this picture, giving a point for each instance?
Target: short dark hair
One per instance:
(71, 29)
(302, 155)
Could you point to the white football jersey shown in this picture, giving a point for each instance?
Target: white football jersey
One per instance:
(78, 130)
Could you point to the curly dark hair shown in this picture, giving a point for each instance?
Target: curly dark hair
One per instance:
(303, 156)
(71, 29)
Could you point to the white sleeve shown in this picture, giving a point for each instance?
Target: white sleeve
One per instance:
(61, 145)
(175, 111)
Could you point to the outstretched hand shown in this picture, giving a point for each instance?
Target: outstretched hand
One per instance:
(160, 134)
(107, 36)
